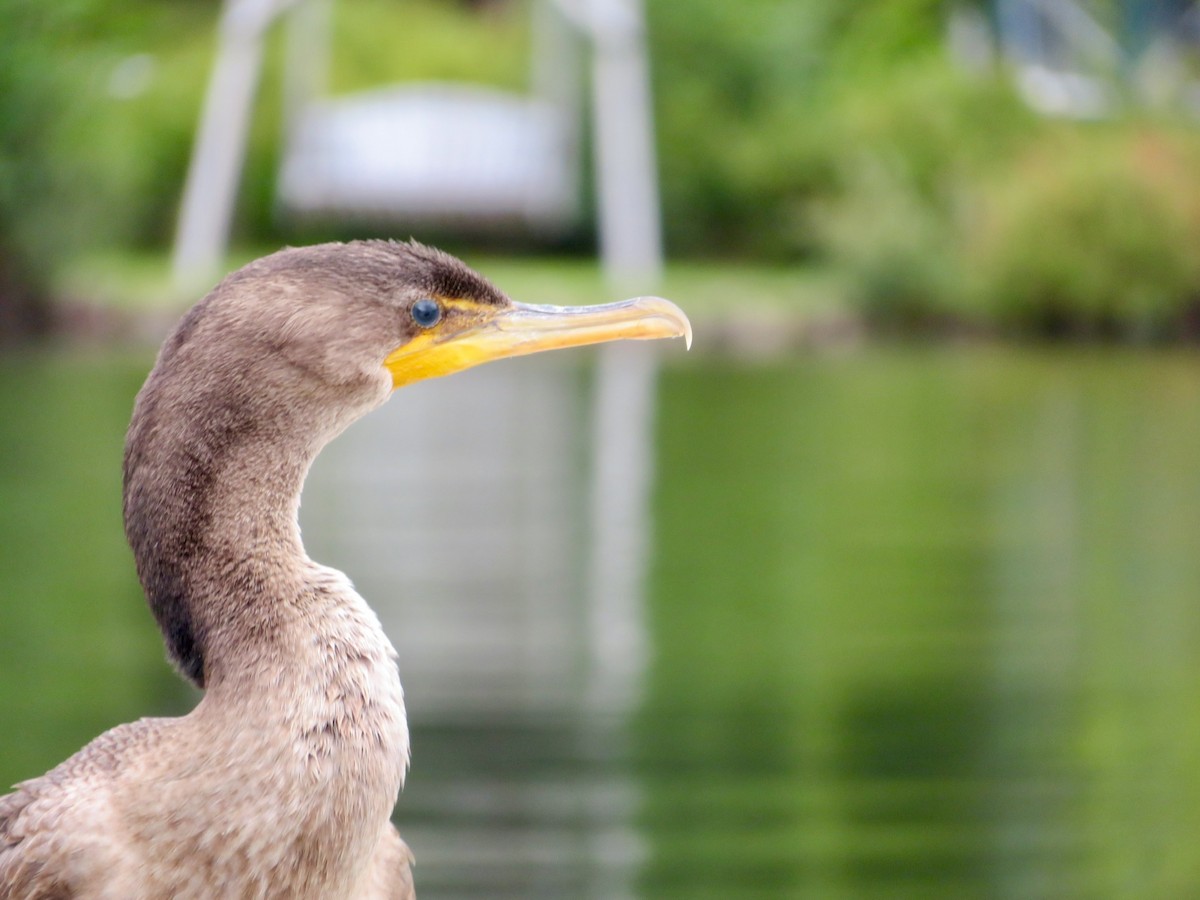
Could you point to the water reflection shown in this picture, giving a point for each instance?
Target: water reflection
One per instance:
(959, 634)
(497, 522)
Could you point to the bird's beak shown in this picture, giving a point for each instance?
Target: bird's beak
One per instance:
(480, 334)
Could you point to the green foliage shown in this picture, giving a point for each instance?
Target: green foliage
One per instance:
(30, 86)
(894, 244)
(81, 162)
(745, 94)
(1093, 234)
(955, 204)
(735, 86)
(842, 133)
(908, 154)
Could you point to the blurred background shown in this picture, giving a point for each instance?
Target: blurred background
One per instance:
(888, 589)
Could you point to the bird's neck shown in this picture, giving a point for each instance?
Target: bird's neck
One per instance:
(303, 700)
(211, 508)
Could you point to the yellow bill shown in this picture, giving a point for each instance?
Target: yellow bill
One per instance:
(473, 333)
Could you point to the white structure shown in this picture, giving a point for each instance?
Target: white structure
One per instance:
(414, 154)
(435, 152)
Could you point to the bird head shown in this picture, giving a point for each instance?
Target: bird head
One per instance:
(363, 318)
(281, 356)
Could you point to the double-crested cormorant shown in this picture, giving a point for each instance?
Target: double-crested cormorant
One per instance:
(281, 782)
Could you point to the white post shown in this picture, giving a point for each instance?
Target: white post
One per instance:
(627, 183)
(212, 179)
(626, 376)
(306, 60)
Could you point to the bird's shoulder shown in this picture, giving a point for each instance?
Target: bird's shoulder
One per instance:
(56, 825)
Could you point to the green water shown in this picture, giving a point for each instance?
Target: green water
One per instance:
(928, 624)
(923, 624)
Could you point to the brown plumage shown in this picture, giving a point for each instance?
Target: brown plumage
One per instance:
(281, 782)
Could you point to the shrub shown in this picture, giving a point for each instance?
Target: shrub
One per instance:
(1092, 232)
(954, 203)
(894, 246)
(910, 152)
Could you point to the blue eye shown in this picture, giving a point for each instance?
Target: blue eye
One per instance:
(426, 312)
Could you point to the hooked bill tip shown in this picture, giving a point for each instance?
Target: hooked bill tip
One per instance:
(668, 311)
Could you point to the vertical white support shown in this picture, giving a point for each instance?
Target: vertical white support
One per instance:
(623, 405)
(627, 183)
(555, 73)
(306, 59)
(212, 179)
(621, 476)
